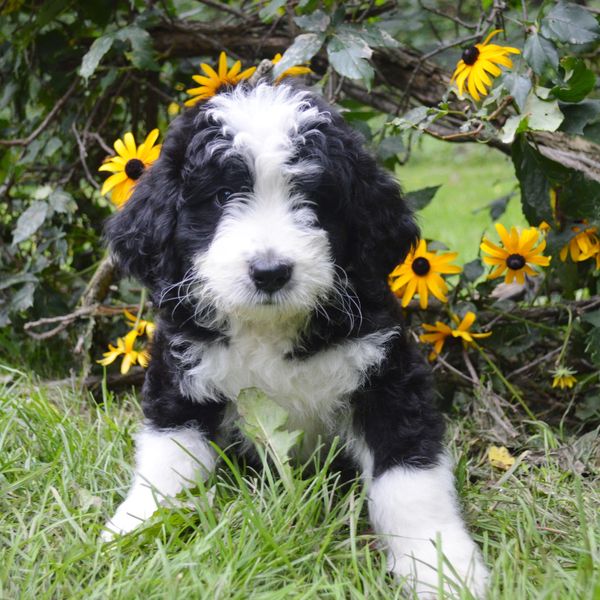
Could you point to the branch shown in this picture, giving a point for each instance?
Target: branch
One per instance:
(42, 126)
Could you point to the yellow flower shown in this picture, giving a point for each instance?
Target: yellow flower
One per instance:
(128, 165)
(564, 377)
(516, 255)
(438, 333)
(292, 71)
(141, 326)
(173, 109)
(419, 273)
(544, 227)
(479, 60)
(584, 245)
(212, 81)
(500, 457)
(130, 355)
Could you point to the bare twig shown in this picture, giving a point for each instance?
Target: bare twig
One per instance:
(42, 126)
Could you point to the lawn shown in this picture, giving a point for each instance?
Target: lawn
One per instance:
(471, 177)
(65, 466)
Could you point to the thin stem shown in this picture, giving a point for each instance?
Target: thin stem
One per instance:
(505, 381)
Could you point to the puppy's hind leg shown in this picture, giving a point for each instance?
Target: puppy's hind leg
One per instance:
(167, 462)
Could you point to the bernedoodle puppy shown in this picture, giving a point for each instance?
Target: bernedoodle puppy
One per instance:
(265, 233)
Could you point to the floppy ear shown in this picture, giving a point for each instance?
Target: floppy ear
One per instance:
(383, 227)
(140, 236)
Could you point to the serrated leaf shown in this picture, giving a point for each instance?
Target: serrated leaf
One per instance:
(264, 422)
(419, 199)
(542, 115)
(23, 299)
(375, 36)
(570, 24)
(142, 50)
(390, 146)
(305, 46)
(94, 55)
(316, 22)
(540, 53)
(30, 221)
(577, 116)
(348, 54)
(535, 187)
(518, 87)
(579, 81)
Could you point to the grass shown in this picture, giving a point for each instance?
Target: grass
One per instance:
(65, 466)
(471, 177)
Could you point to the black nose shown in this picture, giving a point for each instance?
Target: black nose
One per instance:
(270, 275)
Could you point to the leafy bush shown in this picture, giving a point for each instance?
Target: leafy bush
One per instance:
(78, 76)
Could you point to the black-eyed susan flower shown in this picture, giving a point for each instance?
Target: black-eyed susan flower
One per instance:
(480, 61)
(563, 377)
(125, 347)
(140, 325)
(518, 253)
(500, 457)
(420, 274)
(585, 244)
(212, 81)
(128, 165)
(294, 71)
(438, 333)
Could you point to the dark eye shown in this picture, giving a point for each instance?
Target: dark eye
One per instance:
(222, 196)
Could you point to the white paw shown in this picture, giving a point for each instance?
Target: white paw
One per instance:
(462, 567)
(129, 515)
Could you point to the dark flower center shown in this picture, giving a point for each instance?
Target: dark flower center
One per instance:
(515, 262)
(470, 55)
(421, 266)
(134, 168)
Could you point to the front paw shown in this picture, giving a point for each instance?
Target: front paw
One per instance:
(461, 564)
(129, 515)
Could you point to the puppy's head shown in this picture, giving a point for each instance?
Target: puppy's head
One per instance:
(263, 204)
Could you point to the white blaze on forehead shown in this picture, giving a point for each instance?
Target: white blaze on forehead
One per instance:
(265, 124)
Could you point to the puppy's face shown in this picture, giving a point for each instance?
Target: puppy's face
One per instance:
(265, 251)
(263, 205)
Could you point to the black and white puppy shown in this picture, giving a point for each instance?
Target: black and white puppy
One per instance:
(265, 233)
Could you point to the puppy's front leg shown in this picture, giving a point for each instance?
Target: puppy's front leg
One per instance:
(167, 462)
(413, 509)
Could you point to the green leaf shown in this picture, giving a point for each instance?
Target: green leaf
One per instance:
(592, 317)
(375, 36)
(142, 51)
(473, 270)
(513, 125)
(419, 199)
(92, 58)
(30, 221)
(348, 54)
(264, 422)
(317, 22)
(570, 24)
(577, 116)
(579, 81)
(593, 345)
(518, 87)
(535, 186)
(305, 46)
(540, 53)
(542, 115)
(271, 9)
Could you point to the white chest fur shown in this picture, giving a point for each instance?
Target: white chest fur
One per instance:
(310, 389)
